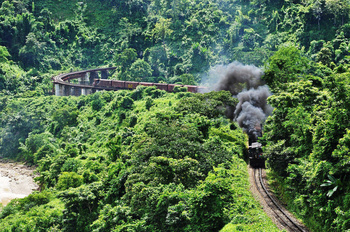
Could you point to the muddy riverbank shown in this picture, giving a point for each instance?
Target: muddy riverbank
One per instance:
(16, 181)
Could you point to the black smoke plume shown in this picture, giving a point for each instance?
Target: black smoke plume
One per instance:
(245, 83)
(252, 108)
(236, 77)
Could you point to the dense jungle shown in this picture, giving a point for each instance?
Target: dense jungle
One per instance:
(148, 160)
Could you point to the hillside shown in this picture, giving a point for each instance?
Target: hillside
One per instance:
(142, 160)
(166, 41)
(147, 159)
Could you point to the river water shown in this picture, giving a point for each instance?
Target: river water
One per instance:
(16, 181)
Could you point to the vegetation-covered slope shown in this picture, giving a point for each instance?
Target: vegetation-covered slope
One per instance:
(142, 160)
(306, 137)
(171, 41)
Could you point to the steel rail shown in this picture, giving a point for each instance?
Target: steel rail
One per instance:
(278, 216)
(276, 204)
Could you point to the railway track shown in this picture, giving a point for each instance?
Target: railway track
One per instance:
(278, 212)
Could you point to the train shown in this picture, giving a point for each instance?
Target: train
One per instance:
(118, 84)
(255, 152)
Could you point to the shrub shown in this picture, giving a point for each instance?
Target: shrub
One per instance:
(127, 103)
(69, 180)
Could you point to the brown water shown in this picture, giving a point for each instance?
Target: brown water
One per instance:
(16, 181)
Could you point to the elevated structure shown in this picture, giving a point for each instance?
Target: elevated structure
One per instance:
(79, 83)
(89, 81)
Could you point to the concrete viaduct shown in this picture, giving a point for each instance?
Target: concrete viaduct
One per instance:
(93, 80)
(66, 84)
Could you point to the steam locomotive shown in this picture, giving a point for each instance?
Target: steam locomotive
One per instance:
(117, 84)
(255, 154)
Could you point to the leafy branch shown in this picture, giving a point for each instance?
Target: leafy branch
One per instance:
(332, 182)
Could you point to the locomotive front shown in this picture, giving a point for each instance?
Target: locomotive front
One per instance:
(255, 153)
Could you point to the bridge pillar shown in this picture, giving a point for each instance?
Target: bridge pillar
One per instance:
(104, 74)
(67, 90)
(86, 91)
(63, 90)
(93, 75)
(71, 91)
(57, 89)
(76, 91)
(83, 79)
(86, 79)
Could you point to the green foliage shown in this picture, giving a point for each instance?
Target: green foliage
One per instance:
(37, 146)
(4, 54)
(173, 165)
(63, 117)
(165, 168)
(161, 29)
(179, 89)
(284, 66)
(332, 182)
(305, 135)
(211, 104)
(81, 204)
(140, 70)
(114, 145)
(133, 120)
(154, 41)
(126, 103)
(69, 180)
(149, 103)
(37, 212)
(125, 59)
(187, 79)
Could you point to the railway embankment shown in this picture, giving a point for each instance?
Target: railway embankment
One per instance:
(283, 219)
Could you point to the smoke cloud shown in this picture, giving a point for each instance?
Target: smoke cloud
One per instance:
(245, 83)
(236, 77)
(250, 116)
(252, 107)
